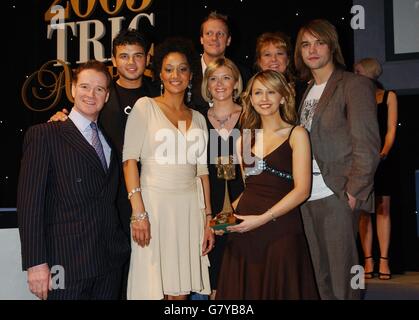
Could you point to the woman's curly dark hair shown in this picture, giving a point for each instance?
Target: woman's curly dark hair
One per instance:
(176, 44)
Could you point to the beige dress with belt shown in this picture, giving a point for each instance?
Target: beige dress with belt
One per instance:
(171, 162)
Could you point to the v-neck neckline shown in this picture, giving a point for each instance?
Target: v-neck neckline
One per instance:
(224, 129)
(271, 152)
(170, 122)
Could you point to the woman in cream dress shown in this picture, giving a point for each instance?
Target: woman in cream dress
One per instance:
(170, 201)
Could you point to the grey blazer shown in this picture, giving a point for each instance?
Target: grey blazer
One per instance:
(344, 136)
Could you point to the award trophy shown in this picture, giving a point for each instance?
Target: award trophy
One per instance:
(225, 170)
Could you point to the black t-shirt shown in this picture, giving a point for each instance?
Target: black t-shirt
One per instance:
(128, 97)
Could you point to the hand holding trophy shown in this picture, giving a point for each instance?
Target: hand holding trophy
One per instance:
(225, 170)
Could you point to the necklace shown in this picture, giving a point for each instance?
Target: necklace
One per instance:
(222, 122)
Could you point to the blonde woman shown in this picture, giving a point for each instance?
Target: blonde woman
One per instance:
(221, 87)
(387, 123)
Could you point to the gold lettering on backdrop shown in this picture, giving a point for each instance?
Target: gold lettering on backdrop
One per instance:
(50, 13)
(43, 89)
(144, 5)
(51, 90)
(91, 4)
(48, 86)
(132, 5)
(118, 6)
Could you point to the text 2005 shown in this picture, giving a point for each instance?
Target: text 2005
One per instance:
(90, 6)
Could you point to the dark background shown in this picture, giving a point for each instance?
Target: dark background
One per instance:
(27, 49)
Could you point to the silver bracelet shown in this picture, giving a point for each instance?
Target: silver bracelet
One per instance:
(135, 190)
(139, 216)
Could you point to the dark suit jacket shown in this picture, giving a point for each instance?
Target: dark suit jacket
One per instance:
(66, 204)
(344, 136)
(113, 120)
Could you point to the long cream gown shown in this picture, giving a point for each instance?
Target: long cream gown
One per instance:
(171, 163)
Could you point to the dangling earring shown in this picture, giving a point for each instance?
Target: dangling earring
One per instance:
(211, 102)
(235, 94)
(282, 103)
(161, 89)
(189, 93)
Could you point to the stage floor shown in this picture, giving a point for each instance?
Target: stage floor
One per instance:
(399, 287)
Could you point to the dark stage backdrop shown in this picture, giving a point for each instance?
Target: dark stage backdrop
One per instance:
(34, 37)
(32, 41)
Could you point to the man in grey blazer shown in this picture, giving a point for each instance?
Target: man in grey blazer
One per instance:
(66, 200)
(339, 111)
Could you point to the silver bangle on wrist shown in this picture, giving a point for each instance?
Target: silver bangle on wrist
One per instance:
(139, 216)
(135, 190)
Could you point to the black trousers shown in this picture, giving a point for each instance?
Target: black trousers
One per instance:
(104, 287)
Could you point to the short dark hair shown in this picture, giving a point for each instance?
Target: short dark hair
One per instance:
(129, 36)
(214, 15)
(93, 65)
(176, 44)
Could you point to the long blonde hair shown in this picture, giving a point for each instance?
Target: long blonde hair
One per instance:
(250, 119)
(273, 80)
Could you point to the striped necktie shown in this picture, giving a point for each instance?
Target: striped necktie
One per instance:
(98, 145)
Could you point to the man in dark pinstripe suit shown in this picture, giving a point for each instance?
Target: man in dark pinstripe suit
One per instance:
(129, 56)
(66, 200)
